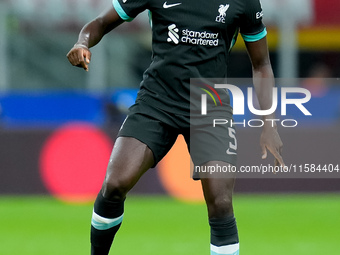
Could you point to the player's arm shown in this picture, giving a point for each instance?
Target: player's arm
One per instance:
(263, 79)
(90, 35)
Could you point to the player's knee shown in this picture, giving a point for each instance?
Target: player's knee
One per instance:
(220, 207)
(116, 189)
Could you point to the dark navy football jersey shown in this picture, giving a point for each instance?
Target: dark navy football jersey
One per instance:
(190, 39)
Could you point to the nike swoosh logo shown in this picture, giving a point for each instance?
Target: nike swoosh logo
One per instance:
(166, 6)
(230, 152)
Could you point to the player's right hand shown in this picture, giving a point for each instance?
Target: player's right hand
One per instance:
(80, 56)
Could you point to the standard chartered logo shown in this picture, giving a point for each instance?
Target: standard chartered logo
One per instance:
(192, 37)
(173, 34)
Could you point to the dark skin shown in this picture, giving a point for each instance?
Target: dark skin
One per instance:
(90, 35)
(263, 79)
(130, 158)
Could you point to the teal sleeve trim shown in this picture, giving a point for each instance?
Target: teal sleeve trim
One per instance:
(150, 18)
(254, 38)
(120, 11)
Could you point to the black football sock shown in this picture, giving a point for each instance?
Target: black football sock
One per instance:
(224, 236)
(106, 219)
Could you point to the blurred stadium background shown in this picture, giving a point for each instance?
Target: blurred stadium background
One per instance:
(58, 124)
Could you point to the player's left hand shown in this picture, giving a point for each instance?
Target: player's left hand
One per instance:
(270, 139)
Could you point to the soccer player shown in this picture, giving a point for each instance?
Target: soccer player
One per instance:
(191, 39)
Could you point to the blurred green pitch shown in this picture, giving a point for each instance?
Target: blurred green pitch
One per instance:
(159, 225)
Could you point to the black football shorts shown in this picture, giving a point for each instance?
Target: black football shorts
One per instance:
(159, 129)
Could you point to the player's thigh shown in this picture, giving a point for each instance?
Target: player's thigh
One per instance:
(218, 191)
(129, 160)
(144, 139)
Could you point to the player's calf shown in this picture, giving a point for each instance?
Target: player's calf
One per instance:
(218, 194)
